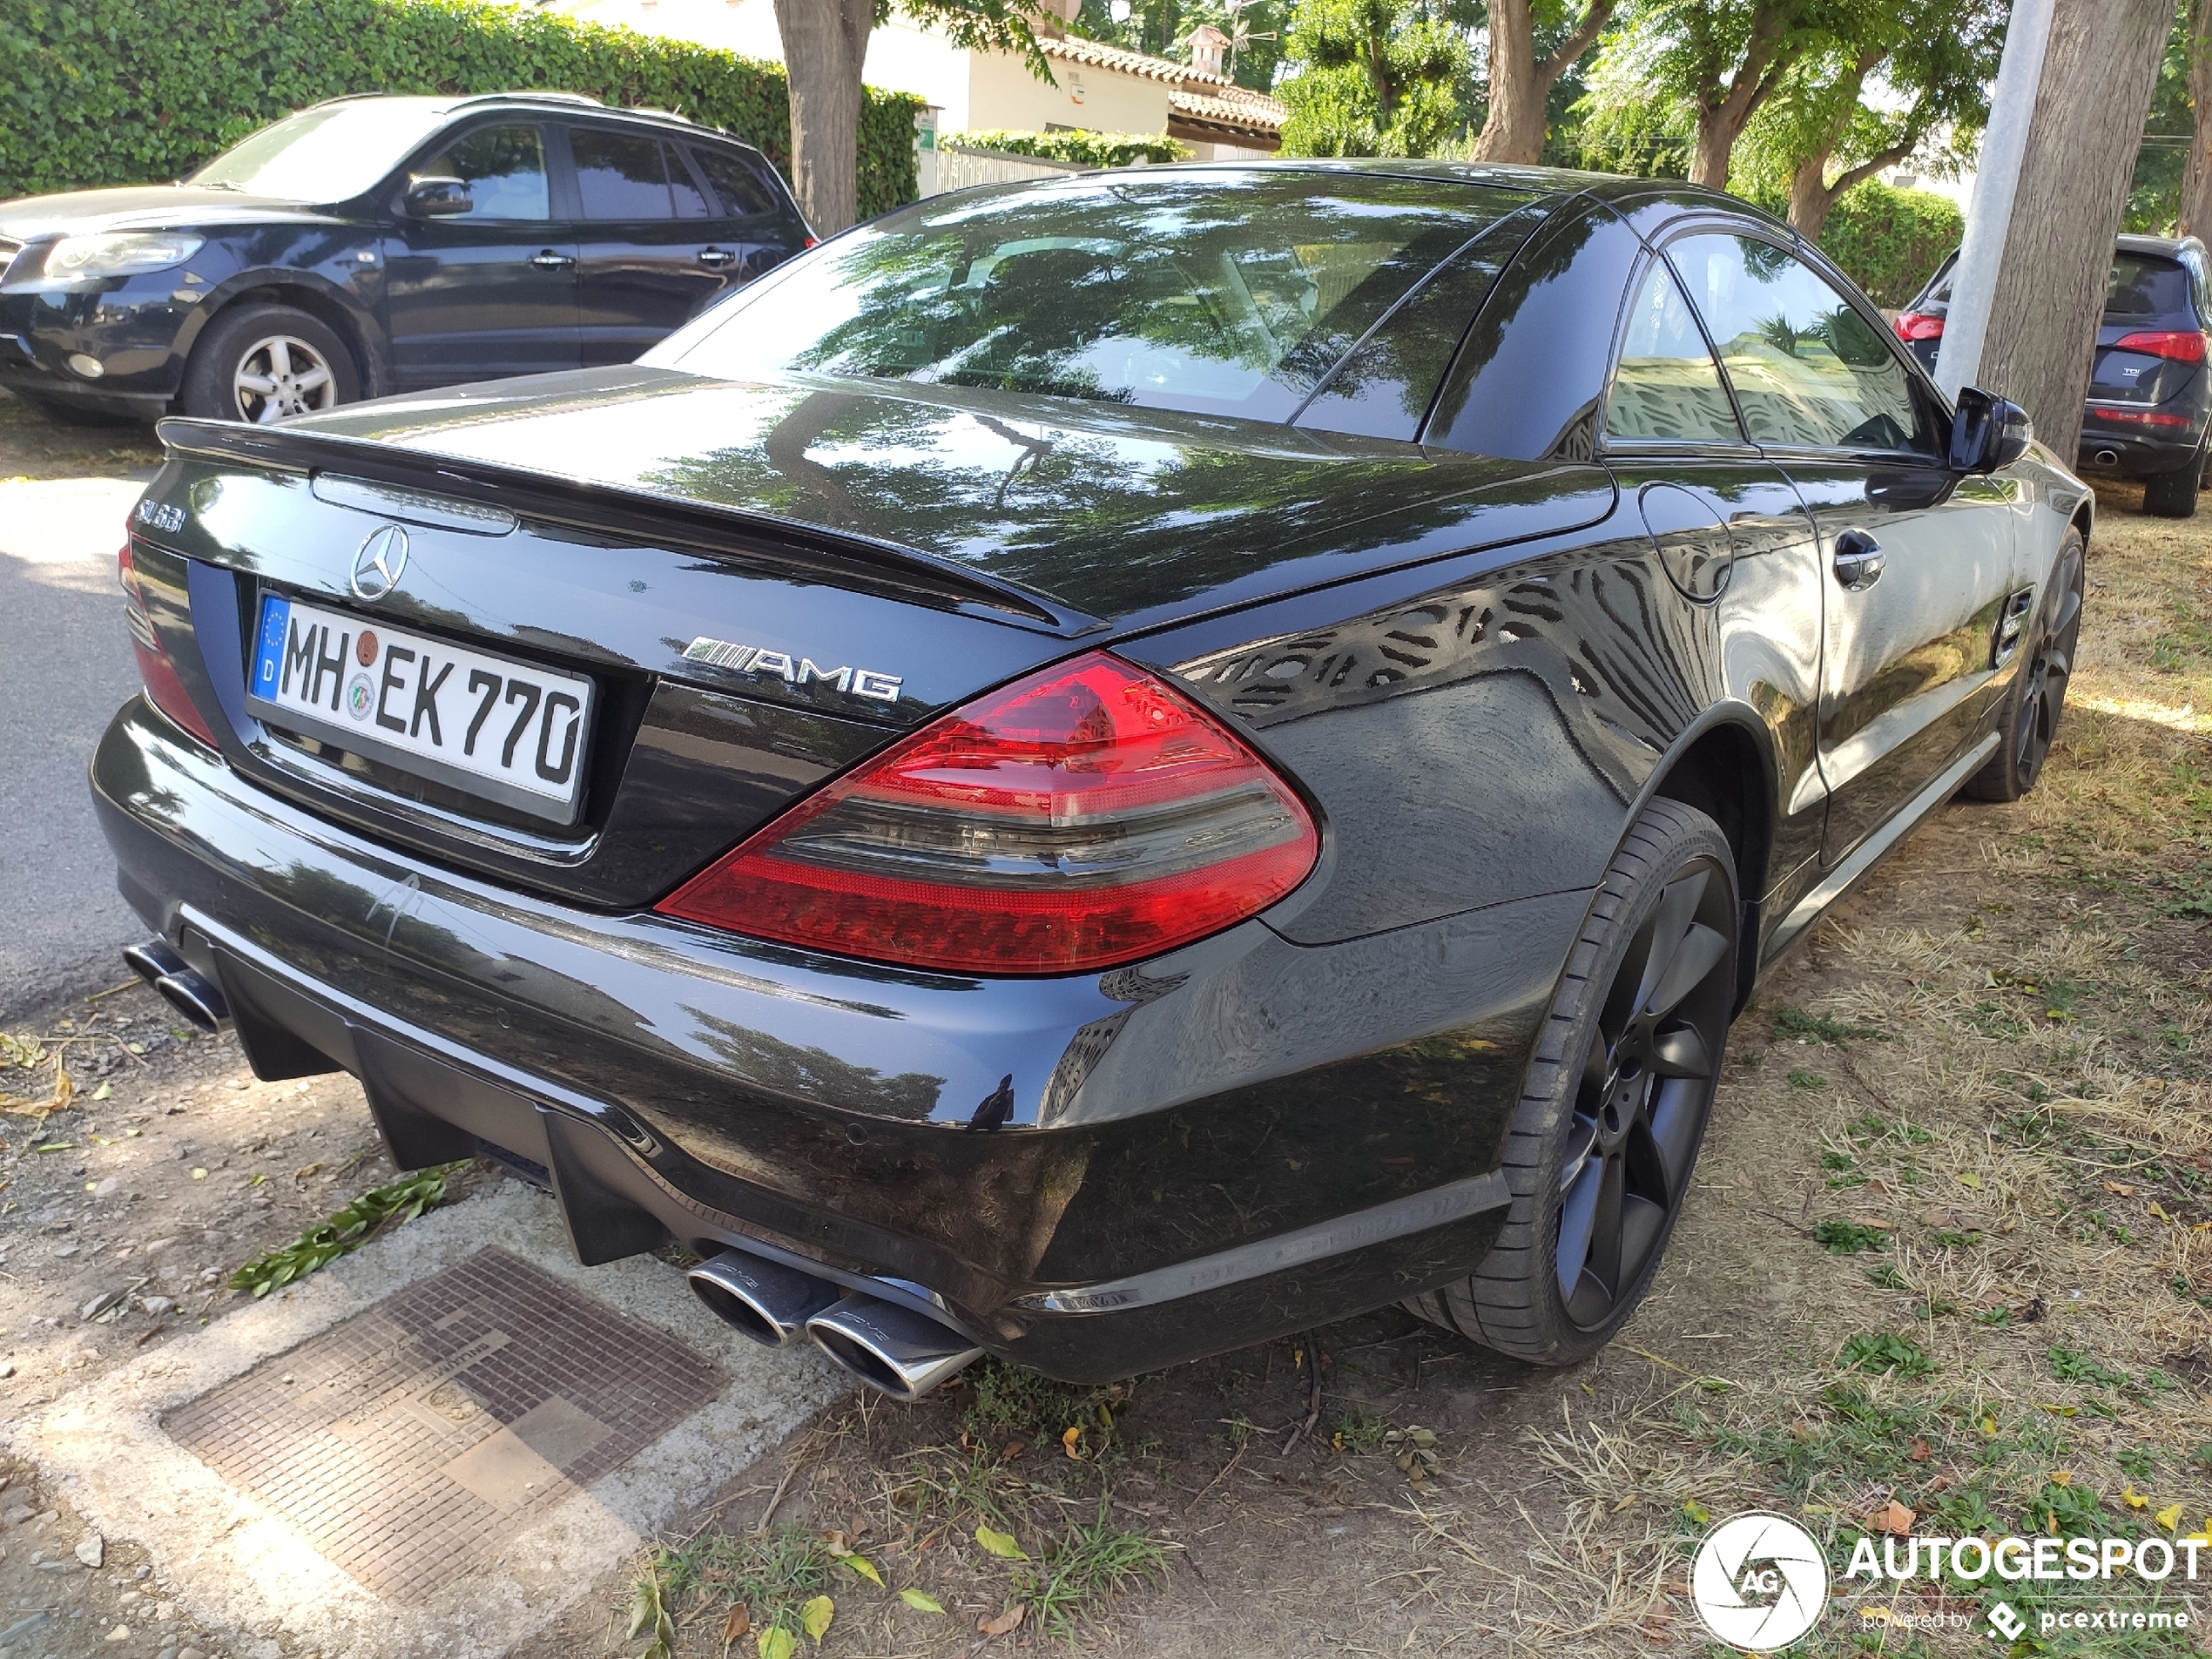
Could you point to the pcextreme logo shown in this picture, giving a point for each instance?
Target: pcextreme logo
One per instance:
(1759, 1582)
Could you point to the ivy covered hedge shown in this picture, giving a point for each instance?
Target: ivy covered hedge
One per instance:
(1085, 148)
(1889, 241)
(124, 91)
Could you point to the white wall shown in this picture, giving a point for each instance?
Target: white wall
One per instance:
(974, 90)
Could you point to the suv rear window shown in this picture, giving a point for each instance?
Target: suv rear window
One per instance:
(2144, 285)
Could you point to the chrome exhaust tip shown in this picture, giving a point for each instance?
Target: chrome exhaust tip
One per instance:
(892, 1349)
(2108, 457)
(759, 1298)
(155, 960)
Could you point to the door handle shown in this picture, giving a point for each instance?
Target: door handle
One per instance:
(549, 260)
(1858, 559)
(714, 258)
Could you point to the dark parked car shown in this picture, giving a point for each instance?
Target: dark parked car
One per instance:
(1099, 769)
(2149, 412)
(374, 245)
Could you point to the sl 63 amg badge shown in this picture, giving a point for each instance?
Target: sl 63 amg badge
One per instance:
(752, 659)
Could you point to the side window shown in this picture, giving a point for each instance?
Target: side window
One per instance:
(743, 195)
(690, 201)
(1665, 386)
(504, 169)
(620, 175)
(1807, 368)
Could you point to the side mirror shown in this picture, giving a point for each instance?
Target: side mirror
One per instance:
(1988, 432)
(437, 197)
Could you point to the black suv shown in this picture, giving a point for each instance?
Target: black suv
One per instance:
(380, 244)
(2149, 396)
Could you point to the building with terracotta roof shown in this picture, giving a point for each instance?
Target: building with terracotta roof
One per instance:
(1099, 88)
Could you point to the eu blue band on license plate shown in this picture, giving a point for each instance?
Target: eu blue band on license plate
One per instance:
(509, 731)
(268, 655)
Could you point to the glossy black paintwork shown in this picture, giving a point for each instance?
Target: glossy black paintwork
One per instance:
(1476, 669)
(420, 301)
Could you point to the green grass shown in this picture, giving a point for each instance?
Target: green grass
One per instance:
(1074, 1574)
(1807, 1080)
(773, 1575)
(1848, 1237)
(1878, 1353)
(1795, 1022)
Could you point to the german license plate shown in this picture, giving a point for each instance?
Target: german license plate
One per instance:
(508, 731)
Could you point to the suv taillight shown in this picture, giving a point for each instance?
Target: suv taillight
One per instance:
(2182, 344)
(164, 689)
(1086, 816)
(1918, 325)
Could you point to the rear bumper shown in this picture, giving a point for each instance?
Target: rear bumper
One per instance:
(1242, 1139)
(2112, 451)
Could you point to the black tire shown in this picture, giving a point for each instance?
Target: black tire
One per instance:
(299, 360)
(2038, 700)
(62, 411)
(1613, 1107)
(2173, 495)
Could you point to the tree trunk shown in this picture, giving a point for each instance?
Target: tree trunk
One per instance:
(1513, 129)
(1812, 196)
(825, 45)
(2099, 72)
(1723, 112)
(2196, 181)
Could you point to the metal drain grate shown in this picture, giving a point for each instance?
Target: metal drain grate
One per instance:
(410, 1441)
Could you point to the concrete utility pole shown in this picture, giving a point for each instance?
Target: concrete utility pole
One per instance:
(2064, 124)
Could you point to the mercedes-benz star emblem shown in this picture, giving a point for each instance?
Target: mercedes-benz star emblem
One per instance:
(379, 564)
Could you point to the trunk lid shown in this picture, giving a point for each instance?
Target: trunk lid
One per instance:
(764, 585)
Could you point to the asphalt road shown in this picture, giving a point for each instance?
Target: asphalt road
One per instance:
(65, 666)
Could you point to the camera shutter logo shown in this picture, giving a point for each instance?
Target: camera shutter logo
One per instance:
(379, 565)
(1759, 1582)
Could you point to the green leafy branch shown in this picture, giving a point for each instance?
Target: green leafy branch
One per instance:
(389, 1205)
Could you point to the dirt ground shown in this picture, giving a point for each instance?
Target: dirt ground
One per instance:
(1949, 1252)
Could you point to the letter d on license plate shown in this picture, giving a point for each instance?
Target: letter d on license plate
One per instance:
(505, 730)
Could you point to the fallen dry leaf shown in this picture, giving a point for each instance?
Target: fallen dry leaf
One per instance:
(1013, 1449)
(1005, 1621)
(2120, 1188)
(738, 1624)
(1919, 1451)
(1892, 1518)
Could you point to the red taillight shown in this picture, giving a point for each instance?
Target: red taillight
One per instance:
(1918, 325)
(2140, 417)
(1086, 816)
(164, 689)
(2182, 344)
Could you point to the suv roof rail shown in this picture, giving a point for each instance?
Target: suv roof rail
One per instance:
(570, 99)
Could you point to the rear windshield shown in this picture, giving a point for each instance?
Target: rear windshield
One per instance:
(1221, 291)
(2142, 285)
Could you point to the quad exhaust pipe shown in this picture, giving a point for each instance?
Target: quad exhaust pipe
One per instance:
(762, 1299)
(894, 1349)
(181, 985)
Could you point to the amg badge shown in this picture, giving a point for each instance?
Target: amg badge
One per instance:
(752, 659)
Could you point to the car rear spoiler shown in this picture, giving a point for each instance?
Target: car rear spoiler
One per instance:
(663, 521)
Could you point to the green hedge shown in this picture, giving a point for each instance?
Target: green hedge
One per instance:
(1085, 148)
(1889, 241)
(122, 91)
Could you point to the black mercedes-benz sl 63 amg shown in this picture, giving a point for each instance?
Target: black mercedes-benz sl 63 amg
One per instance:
(1103, 769)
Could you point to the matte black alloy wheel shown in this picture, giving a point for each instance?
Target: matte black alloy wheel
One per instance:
(1639, 1106)
(2040, 701)
(2051, 668)
(1602, 1144)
